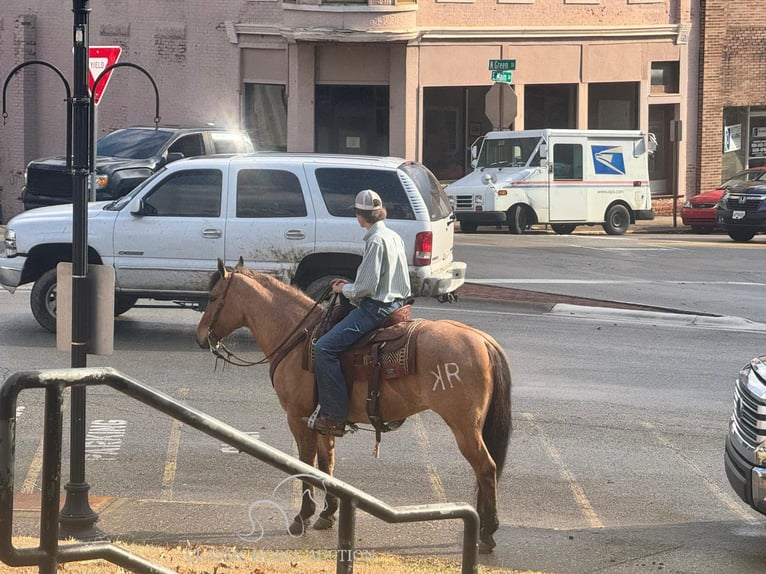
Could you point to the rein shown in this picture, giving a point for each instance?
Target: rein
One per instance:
(223, 353)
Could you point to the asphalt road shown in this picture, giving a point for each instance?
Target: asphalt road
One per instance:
(615, 464)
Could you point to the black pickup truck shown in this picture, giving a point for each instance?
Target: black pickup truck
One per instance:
(126, 157)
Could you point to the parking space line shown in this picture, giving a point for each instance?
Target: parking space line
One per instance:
(171, 456)
(578, 492)
(729, 501)
(437, 487)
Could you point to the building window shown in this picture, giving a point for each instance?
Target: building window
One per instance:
(351, 119)
(550, 106)
(664, 78)
(613, 106)
(265, 111)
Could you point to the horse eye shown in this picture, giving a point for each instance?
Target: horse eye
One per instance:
(210, 299)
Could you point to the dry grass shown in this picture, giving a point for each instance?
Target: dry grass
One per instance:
(196, 559)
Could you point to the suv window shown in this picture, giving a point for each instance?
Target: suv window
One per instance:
(269, 193)
(430, 190)
(132, 143)
(191, 193)
(339, 187)
(224, 142)
(191, 145)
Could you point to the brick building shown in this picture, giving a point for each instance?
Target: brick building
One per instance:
(388, 77)
(732, 111)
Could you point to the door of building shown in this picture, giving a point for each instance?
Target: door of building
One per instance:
(351, 119)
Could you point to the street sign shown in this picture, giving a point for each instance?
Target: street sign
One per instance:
(100, 58)
(506, 77)
(502, 65)
(500, 105)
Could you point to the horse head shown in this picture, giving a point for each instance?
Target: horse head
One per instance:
(222, 315)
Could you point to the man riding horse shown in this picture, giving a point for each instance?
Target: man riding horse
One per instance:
(381, 286)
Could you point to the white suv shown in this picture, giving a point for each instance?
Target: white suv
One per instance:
(287, 214)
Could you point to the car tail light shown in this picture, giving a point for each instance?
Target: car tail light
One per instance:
(424, 245)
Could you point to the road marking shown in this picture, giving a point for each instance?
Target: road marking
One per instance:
(103, 440)
(36, 465)
(530, 281)
(578, 492)
(437, 487)
(228, 449)
(171, 456)
(729, 501)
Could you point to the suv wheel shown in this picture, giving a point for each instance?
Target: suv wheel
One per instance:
(43, 300)
(318, 286)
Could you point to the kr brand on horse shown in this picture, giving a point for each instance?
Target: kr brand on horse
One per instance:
(459, 372)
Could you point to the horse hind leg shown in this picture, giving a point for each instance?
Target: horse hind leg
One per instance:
(306, 440)
(474, 450)
(326, 463)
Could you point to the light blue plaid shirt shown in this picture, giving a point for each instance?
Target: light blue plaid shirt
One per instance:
(383, 274)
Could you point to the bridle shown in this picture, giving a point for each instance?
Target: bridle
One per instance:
(223, 353)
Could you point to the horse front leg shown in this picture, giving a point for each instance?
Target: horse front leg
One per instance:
(326, 463)
(306, 439)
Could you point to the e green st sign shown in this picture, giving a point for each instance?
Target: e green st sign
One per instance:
(502, 65)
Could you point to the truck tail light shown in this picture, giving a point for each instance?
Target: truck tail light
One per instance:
(424, 244)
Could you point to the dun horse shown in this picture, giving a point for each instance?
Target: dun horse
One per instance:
(461, 374)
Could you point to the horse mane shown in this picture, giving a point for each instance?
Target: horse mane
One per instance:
(269, 282)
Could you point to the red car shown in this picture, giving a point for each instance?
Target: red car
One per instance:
(699, 211)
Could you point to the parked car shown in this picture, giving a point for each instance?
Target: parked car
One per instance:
(126, 157)
(290, 215)
(745, 453)
(741, 212)
(699, 212)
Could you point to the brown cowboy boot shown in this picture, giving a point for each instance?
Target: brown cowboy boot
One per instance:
(325, 426)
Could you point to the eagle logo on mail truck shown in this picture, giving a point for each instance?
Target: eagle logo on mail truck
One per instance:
(608, 160)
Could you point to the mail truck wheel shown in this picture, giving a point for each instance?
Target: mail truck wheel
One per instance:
(43, 300)
(617, 220)
(518, 219)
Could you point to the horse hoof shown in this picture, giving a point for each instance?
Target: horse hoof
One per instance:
(298, 527)
(324, 522)
(486, 546)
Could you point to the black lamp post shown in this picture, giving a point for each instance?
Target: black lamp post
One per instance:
(77, 517)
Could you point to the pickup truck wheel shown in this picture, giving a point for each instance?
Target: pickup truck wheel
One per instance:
(518, 219)
(43, 300)
(741, 234)
(468, 227)
(563, 228)
(617, 220)
(318, 286)
(123, 304)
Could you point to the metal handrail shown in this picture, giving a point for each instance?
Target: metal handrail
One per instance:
(49, 552)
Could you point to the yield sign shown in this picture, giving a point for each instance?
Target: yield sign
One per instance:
(100, 58)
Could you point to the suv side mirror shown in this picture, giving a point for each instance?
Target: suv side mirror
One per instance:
(173, 156)
(139, 208)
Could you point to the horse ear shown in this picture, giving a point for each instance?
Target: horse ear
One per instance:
(240, 263)
(221, 268)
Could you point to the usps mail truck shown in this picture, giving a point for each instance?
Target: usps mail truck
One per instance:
(559, 177)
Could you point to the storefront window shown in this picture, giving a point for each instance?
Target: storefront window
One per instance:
(613, 106)
(550, 106)
(351, 119)
(266, 116)
(735, 132)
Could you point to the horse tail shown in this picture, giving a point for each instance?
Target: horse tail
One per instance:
(496, 431)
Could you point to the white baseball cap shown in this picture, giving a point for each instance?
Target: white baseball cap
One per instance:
(368, 200)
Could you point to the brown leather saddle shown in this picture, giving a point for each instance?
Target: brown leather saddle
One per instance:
(385, 353)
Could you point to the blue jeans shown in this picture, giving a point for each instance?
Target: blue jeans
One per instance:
(331, 385)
